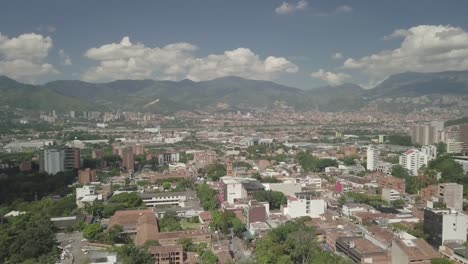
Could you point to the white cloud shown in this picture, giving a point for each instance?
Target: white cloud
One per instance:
(424, 48)
(288, 8)
(343, 9)
(64, 58)
(332, 78)
(24, 55)
(337, 56)
(126, 60)
(399, 33)
(46, 29)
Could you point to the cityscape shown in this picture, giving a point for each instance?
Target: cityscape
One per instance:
(134, 146)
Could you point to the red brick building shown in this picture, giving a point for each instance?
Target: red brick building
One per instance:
(86, 176)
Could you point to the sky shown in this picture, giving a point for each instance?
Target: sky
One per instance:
(299, 43)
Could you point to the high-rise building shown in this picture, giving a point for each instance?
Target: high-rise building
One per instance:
(463, 137)
(57, 160)
(430, 151)
(71, 158)
(138, 149)
(414, 159)
(452, 195)
(427, 134)
(444, 225)
(373, 158)
(51, 161)
(127, 159)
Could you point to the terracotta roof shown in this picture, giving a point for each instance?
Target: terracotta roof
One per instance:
(129, 219)
(206, 216)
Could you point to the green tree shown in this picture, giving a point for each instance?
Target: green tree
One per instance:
(209, 258)
(398, 203)
(274, 198)
(215, 171)
(170, 222)
(166, 185)
(28, 237)
(130, 254)
(400, 172)
(129, 200)
(207, 197)
(350, 160)
(441, 148)
(237, 226)
(92, 231)
(441, 261)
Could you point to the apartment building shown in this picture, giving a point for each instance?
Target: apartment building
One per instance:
(373, 158)
(304, 204)
(452, 195)
(444, 225)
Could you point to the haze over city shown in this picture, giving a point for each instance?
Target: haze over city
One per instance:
(216, 132)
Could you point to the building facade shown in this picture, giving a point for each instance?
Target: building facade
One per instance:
(444, 225)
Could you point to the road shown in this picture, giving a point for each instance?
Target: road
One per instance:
(237, 248)
(72, 244)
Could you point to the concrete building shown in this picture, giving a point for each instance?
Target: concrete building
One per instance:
(314, 182)
(361, 250)
(430, 151)
(444, 225)
(138, 149)
(349, 208)
(285, 188)
(166, 158)
(373, 158)
(57, 160)
(71, 159)
(463, 137)
(454, 146)
(168, 199)
(413, 159)
(167, 254)
(51, 161)
(128, 161)
(452, 195)
(427, 134)
(86, 195)
(390, 195)
(456, 252)
(304, 204)
(86, 176)
(235, 188)
(256, 212)
(409, 249)
(342, 186)
(463, 161)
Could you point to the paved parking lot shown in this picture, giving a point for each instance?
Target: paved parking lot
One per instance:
(72, 244)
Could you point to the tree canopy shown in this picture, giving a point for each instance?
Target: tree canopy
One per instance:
(28, 237)
(274, 198)
(292, 242)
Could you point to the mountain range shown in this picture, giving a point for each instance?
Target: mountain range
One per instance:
(222, 93)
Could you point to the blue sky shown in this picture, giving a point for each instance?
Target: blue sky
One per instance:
(290, 42)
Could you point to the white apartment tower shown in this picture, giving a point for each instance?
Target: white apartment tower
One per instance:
(52, 161)
(373, 158)
(414, 159)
